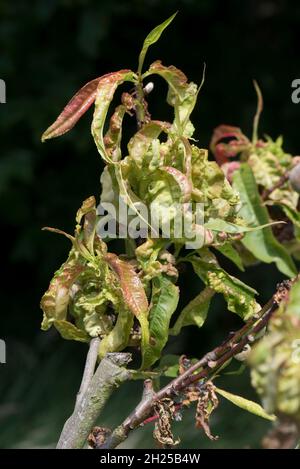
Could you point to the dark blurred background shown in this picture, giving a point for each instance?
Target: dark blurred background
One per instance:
(49, 48)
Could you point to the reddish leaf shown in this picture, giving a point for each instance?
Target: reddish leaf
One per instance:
(75, 108)
(132, 288)
(224, 151)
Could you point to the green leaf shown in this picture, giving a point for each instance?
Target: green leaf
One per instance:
(231, 253)
(104, 95)
(75, 108)
(238, 295)
(217, 224)
(153, 37)
(195, 312)
(70, 332)
(245, 404)
(118, 338)
(262, 243)
(165, 296)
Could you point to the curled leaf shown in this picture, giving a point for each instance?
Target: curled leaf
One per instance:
(55, 301)
(224, 151)
(70, 332)
(104, 95)
(75, 108)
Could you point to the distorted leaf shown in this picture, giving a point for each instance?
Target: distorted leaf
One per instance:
(104, 95)
(55, 301)
(75, 108)
(70, 332)
(238, 295)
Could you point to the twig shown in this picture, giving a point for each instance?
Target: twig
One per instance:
(108, 376)
(206, 367)
(89, 368)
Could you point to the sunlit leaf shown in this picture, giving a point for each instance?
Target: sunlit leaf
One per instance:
(104, 95)
(238, 295)
(245, 404)
(153, 37)
(75, 108)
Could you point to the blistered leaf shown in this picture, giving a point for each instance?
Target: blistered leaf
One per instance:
(104, 95)
(132, 291)
(153, 37)
(195, 312)
(113, 136)
(78, 105)
(261, 243)
(70, 332)
(55, 301)
(132, 288)
(245, 404)
(238, 295)
(165, 296)
(118, 338)
(181, 95)
(142, 140)
(224, 151)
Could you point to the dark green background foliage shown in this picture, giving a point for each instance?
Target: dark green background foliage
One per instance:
(49, 48)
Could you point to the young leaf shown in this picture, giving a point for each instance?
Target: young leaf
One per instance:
(195, 312)
(153, 37)
(165, 296)
(245, 404)
(261, 243)
(104, 95)
(75, 108)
